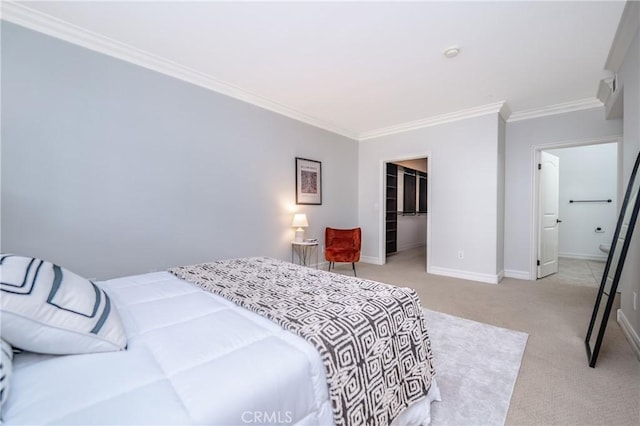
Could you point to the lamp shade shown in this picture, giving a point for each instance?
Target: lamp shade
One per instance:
(300, 220)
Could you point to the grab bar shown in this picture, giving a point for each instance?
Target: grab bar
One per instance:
(591, 201)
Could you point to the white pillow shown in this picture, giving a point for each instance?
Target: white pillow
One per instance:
(6, 366)
(48, 309)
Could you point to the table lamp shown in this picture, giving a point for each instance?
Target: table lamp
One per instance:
(299, 221)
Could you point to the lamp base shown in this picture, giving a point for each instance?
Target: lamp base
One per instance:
(299, 235)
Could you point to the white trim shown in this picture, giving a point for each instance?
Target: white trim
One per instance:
(581, 256)
(505, 111)
(494, 108)
(382, 212)
(605, 89)
(520, 275)
(555, 109)
(20, 14)
(612, 100)
(466, 275)
(533, 228)
(629, 332)
(578, 142)
(535, 159)
(371, 259)
(382, 205)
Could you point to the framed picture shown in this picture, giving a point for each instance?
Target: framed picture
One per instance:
(308, 181)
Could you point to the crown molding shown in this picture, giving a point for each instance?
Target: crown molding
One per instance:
(505, 111)
(605, 90)
(555, 109)
(24, 16)
(20, 14)
(494, 108)
(629, 23)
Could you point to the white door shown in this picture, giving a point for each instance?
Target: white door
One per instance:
(549, 182)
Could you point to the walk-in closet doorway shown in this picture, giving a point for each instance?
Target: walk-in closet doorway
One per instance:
(406, 211)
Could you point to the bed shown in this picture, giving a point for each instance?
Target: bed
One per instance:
(192, 357)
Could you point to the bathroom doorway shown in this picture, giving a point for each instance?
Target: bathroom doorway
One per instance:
(586, 211)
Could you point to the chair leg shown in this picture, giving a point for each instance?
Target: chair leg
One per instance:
(329, 269)
(354, 269)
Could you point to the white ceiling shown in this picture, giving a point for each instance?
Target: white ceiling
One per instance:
(361, 67)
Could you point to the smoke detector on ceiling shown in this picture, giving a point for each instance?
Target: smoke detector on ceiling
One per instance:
(451, 52)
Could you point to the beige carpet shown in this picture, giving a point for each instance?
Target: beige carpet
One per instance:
(555, 385)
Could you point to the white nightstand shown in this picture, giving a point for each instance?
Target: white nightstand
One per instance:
(305, 250)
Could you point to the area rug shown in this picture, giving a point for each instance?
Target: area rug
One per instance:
(476, 365)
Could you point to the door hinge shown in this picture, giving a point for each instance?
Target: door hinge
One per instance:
(539, 166)
(538, 263)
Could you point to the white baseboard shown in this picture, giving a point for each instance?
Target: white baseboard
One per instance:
(581, 256)
(466, 275)
(520, 275)
(371, 259)
(629, 332)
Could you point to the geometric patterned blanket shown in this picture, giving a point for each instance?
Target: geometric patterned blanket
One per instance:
(371, 336)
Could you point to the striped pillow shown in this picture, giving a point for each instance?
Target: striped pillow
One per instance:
(6, 357)
(48, 309)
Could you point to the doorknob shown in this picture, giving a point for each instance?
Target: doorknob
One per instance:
(558, 221)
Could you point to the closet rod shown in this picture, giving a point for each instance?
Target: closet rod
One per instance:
(590, 201)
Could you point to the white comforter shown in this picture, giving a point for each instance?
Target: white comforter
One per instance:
(192, 358)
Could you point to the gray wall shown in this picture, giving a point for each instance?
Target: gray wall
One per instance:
(521, 138)
(629, 79)
(111, 169)
(463, 174)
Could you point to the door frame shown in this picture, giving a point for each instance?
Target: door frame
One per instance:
(535, 211)
(382, 203)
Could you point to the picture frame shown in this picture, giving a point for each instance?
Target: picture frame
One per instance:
(308, 181)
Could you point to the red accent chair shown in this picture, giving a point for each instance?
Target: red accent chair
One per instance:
(342, 245)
